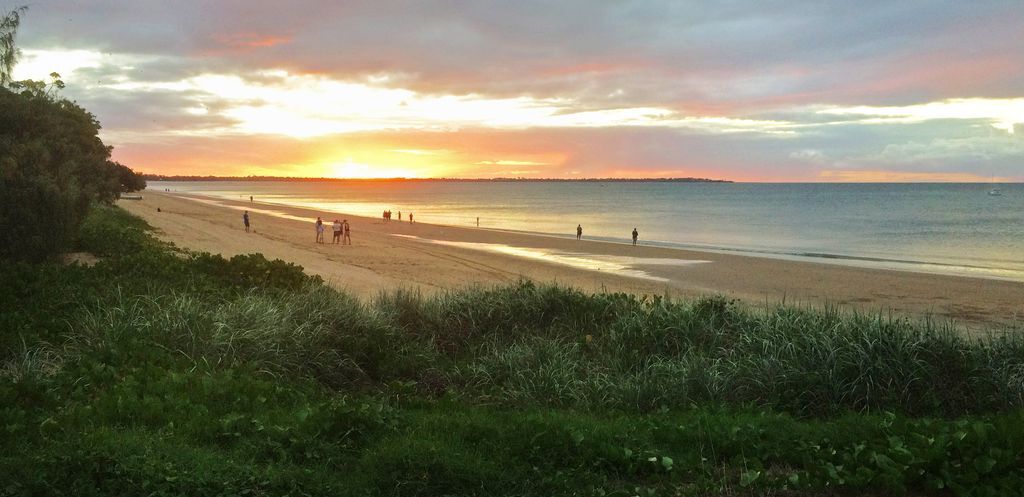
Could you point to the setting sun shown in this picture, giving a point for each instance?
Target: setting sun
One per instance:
(357, 170)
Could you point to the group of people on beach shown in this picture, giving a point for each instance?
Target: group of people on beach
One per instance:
(387, 216)
(341, 229)
(579, 233)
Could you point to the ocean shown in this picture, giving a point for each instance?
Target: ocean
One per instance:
(942, 228)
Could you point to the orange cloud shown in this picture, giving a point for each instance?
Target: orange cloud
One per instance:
(250, 40)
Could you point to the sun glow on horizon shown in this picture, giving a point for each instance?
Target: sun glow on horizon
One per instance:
(356, 170)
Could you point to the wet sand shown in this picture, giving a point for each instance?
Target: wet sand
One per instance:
(386, 255)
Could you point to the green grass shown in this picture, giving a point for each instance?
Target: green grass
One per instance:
(529, 345)
(163, 372)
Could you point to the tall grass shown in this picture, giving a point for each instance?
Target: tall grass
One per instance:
(529, 344)
(315, 331)
(558, 346)
(31, 364)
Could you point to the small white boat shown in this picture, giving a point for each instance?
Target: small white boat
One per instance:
(995, 191)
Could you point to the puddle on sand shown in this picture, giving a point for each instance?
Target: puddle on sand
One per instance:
(616, 264)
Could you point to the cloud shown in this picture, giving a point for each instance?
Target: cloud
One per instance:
(951, 150)
(809, 155)
(661, 50)
(775, 91)
(280, 103)
(506, 162)
(250, 40)
(1004, 114)
(38, 64)
(415, 151)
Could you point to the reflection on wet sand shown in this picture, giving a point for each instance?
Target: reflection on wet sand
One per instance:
(620, 265)
(256, 210)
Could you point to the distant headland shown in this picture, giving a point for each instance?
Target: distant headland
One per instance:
(161, 177)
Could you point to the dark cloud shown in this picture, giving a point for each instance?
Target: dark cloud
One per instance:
(654, 51)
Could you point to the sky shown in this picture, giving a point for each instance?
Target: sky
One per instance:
(805, 91)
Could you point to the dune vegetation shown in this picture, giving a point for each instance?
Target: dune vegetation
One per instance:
(158, 371)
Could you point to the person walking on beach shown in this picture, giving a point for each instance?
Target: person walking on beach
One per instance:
(319, 230)
(399, 215)
(250, 199)
(635, 234)
(337, 232)
(579, 231)
(410, 218)
(347, 240)
(245, 220)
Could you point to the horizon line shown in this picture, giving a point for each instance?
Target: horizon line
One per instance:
(166, 177)
(681, 179)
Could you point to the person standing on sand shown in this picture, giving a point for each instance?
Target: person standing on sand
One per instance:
(410, 218)
(635, 234)
(250, 199)
(399, 215)
(579, 231)
(319, 230)
(337, 232)
(348, 233)
(245, 220)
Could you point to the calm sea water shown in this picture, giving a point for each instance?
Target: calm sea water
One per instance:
(949, 228)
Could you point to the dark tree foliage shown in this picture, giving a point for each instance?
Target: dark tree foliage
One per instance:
(52, 166)
(131, 181)
(52, 162)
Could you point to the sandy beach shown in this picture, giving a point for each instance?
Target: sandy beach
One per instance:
(387, 255)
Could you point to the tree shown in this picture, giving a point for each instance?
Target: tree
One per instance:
(9, 52)
(53, 165)
(130, 180)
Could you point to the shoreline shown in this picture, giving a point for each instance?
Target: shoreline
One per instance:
(978, 268)
(429, 257)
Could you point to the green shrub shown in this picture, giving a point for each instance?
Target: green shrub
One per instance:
(109, 231)
(52, 166)
(252, 271)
